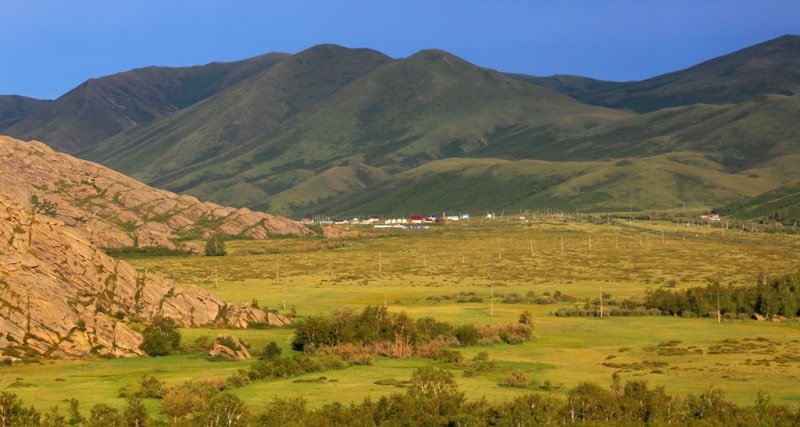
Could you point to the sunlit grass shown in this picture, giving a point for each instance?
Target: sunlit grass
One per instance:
(402, 269)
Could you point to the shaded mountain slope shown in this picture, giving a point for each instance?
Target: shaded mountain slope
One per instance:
(216, 128)
(14, 108)
(100, 108)
(772, 67)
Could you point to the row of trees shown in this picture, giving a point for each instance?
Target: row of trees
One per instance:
(431, 398)
(770, 298)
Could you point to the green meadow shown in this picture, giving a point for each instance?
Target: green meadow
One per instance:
(423, 272)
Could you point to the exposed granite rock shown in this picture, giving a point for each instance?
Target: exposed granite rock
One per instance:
(118, 211)
(229, 347)
(61, 296)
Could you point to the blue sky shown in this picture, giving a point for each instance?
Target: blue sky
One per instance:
(51, 46)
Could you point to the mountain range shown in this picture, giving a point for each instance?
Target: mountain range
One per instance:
(339, 131)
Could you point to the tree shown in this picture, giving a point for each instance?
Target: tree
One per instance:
(10, 408)
(187, 399)
(102, 415)
(135, 414)
(52, 419)
(75, 417)
(430, 382)
(287, 411)
(227, 410)
(161, 337)
(215, 245)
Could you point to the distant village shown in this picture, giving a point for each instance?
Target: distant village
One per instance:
(413, 221)
(420, 221)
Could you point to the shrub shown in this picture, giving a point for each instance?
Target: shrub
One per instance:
(516, 379)
(150, 387)
(161, 337)
(467, 335)
(271, 351)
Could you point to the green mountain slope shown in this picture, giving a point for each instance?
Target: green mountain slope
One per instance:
(330, 107)
(779, 205)
(737, 136)
(100, 108)
(772, 67)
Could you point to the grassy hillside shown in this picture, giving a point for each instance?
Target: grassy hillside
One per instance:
(358, 119)
(100, 108)
(737, 136)
(666, 182)
(779, 205)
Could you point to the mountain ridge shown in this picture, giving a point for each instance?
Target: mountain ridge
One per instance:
(770, 67)
(102, 107)
(302, 138)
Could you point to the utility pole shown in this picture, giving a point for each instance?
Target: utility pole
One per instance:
(278, 281)
(491, 300)
(601, 302)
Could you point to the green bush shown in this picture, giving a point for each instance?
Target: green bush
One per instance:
(215, 245)
(161, 337)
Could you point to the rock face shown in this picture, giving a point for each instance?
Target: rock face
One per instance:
(117, 211)
(60, 294)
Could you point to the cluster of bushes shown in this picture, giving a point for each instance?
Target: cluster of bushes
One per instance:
(529, 297)
(461, 297)
(379, 332)
(431, 397)
(267, 368)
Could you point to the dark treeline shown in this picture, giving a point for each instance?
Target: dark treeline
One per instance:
(431, 398)
(769, 298)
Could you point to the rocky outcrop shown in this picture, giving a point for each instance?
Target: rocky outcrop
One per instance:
(60, 294)
(117, 211)
(228, 347)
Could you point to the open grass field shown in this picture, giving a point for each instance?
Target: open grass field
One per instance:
(421, 271)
